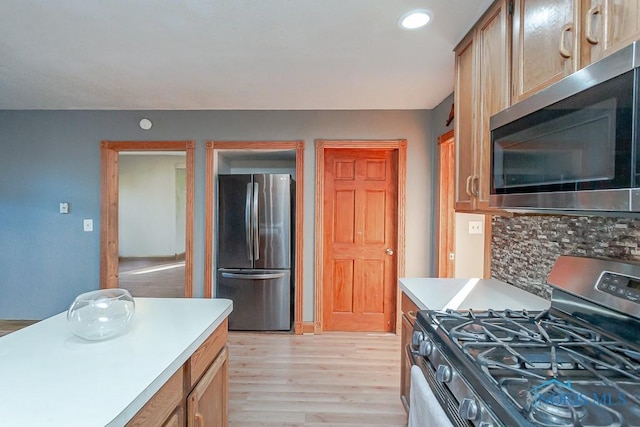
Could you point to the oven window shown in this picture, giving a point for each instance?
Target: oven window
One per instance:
(580, 143)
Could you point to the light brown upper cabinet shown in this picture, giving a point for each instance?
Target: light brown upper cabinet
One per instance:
(554, 38)
(545, 44)
(608, 26)
(481, 90)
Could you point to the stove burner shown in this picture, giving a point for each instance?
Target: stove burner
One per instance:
(471, 331)
(554, 403)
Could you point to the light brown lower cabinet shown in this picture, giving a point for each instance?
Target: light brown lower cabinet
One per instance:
(207, 402)
(199, 386)
(409, 312)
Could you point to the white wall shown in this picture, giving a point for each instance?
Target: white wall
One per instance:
(148, 214)
(469, 248)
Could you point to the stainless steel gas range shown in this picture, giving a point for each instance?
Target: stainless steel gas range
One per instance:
(576, 364)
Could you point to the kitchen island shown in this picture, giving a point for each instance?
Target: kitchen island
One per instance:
(173, 354)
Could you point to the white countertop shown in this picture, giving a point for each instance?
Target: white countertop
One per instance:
(50, 377)
(464, 294)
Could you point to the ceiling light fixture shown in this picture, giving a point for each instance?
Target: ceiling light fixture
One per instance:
(415, 19)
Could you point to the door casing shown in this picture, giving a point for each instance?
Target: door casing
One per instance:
(109, 151)
(400, 145)
(259, 146)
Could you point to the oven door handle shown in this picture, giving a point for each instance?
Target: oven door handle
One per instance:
(411, 355)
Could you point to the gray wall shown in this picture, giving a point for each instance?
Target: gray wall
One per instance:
(53, 156)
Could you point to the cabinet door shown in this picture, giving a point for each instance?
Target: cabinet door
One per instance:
(608, 26)
(493, 90)
(207, 402)
(405, 367)
(544, 44)
(464, 116)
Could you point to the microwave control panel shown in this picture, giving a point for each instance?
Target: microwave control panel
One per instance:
(621, 286)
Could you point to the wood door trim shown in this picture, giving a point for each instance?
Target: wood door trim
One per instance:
(321, 145)
(211, 173)
(109, 151)
(444, 237)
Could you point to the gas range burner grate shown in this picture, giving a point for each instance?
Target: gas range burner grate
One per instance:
(556, 370)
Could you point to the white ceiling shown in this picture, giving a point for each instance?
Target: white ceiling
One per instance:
(227, 54)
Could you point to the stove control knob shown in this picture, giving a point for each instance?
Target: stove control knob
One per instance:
(443, 374)
(469, 409)
(426, 348)
(417, 338)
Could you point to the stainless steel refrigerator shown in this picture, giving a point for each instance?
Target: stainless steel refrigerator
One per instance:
(254, 261)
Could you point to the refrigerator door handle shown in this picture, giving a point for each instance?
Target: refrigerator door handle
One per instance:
(247, 222)
(253, 276)
(256, 229)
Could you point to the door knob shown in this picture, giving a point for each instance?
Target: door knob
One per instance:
(389, 251)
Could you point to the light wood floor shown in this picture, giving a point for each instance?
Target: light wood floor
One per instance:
(337, 379)
(152, 277)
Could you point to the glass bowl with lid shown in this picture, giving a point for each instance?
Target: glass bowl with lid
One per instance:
(101, 314)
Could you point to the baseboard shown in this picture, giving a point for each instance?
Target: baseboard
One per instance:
(307, 327)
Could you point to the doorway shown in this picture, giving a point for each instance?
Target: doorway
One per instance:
(110, 212)
(360, 193)
(213, 149)
(445, 209)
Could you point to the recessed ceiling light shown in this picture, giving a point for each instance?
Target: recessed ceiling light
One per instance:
(415, 19)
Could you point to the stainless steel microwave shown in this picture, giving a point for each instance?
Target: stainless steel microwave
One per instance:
(574, 145)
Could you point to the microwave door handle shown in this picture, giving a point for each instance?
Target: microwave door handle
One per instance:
(256, 229)
(247, 222)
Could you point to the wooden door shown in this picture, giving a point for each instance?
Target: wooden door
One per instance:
(608, 26)
(464, 102)
(360, 226)
(446, 206)
(544, 44)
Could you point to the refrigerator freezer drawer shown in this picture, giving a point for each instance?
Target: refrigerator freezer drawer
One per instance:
(261, 299)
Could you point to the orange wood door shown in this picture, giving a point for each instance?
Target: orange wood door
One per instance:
(360, 214)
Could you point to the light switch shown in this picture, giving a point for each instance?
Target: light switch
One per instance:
(88, 225)
(64, 207)
(475, 227)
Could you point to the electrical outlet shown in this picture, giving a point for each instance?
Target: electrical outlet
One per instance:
(475, 227)
(88, 224)
(64, 207)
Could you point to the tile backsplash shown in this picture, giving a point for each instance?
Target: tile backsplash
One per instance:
(525, 247)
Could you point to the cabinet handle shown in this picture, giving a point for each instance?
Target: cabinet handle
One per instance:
(468, 186)
(564, 52)
(412, 316)
(591, 15)
(199, 419)
(475, 191)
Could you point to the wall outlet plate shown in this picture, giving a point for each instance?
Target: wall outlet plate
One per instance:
(475, 227)
(87, 224)
(64, 207)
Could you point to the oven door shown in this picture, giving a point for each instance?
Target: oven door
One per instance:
(425, 408)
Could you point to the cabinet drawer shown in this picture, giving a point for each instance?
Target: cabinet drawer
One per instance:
(162, 404)
(409, 308)
(207, 352)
